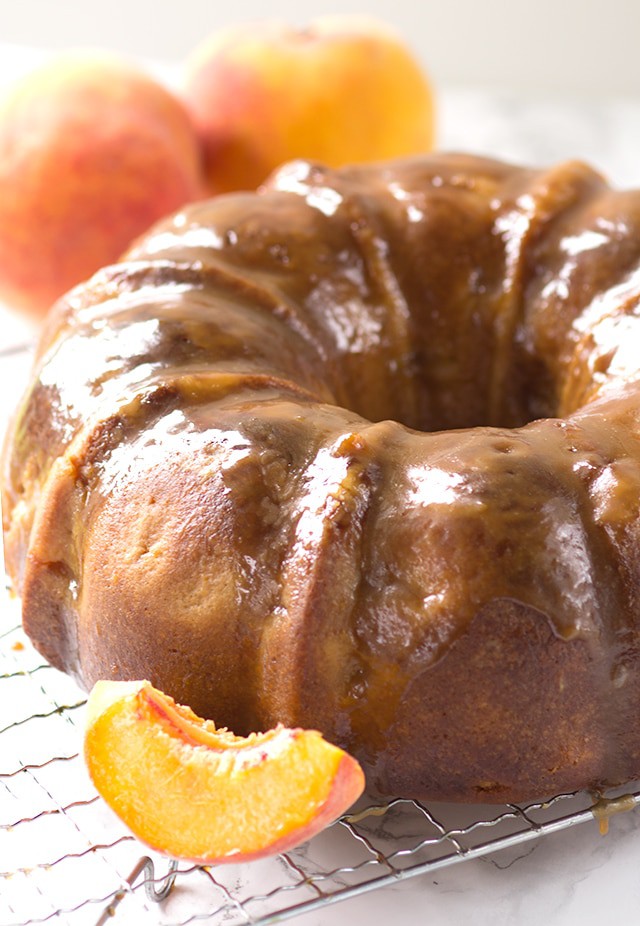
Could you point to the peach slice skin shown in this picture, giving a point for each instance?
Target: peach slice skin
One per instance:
(194, 792)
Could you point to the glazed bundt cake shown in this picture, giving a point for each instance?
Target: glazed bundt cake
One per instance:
(360, 452)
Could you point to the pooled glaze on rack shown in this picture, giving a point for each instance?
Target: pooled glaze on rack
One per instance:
(359, 452)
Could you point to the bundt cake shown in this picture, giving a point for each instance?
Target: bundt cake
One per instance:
(359, 452)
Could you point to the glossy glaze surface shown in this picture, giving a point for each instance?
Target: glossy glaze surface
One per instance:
(362, 453)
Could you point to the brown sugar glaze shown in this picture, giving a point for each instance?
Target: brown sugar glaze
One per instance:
(360, 452)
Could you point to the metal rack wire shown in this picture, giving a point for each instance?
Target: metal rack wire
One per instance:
(64, 857)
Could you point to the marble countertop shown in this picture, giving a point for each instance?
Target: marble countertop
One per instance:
(576, 876)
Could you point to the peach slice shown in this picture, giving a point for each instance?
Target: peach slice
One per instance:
(195, 792)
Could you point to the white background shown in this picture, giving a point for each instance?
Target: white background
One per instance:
(577, 48)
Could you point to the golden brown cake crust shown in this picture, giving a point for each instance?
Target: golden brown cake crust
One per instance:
(359, 452)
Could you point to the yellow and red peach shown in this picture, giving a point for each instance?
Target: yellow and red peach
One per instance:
(344, 90)
(92, 152)
(195, 792)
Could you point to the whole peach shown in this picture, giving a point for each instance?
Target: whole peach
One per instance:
(344, 90)
(92, 152)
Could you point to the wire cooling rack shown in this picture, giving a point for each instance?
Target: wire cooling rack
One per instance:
(65, 858)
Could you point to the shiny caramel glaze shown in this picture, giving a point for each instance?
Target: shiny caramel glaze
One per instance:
(360, 452)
